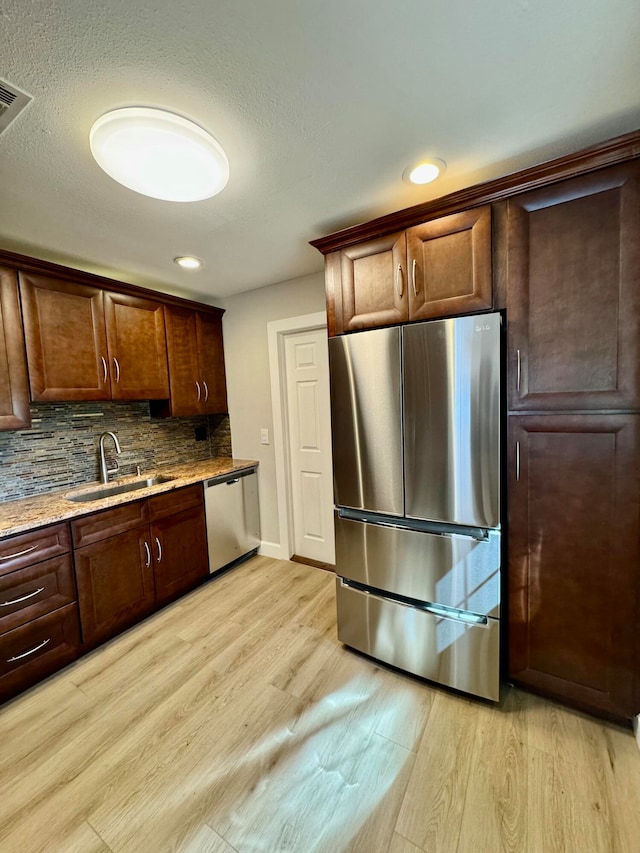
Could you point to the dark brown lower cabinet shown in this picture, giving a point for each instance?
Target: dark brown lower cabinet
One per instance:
(136, 557)
(574, 558)
(37, 649)
(115, 584)
(181, 560)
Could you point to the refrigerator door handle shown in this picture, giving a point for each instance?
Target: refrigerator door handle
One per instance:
(518, 370)
(517, 460)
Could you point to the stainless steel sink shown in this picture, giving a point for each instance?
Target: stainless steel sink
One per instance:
(109, 490)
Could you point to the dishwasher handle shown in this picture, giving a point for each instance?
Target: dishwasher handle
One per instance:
(229, 479)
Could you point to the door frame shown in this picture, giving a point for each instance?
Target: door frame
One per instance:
(277, 330)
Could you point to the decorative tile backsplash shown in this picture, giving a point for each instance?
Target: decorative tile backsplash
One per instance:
(61, 449)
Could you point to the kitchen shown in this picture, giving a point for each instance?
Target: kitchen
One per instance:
(454, 744)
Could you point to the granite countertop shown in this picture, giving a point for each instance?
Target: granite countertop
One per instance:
(49, 507)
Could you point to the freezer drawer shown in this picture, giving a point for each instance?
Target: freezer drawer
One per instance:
(457, 571)
(233, 518)
(449, 651)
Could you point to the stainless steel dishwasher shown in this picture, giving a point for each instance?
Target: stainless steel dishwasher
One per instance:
(233, 517)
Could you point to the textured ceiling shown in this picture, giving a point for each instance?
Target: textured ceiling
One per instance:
(319, 106)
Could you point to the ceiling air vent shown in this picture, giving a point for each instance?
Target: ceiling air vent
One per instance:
(12, 102)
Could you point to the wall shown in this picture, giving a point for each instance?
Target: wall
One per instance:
(60, 451)
(248, 385)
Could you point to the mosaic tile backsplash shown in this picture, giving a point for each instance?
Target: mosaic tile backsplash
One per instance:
(61, 449)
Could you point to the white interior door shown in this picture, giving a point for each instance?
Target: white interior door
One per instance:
(309, 429)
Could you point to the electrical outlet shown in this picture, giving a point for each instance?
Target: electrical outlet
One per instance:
(201, 433)
(264, 436)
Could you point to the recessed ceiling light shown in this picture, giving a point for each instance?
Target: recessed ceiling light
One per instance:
(159, 154)
(188, 262)
(424, 172)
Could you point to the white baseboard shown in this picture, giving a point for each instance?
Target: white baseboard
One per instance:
(273, 549)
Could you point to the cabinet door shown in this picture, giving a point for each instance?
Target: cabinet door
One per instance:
(65, 339)
(449, 265)
(574, 556)
(179, 544)
(137, 348)
(211, 360)
(573, 300)
(182, 350)
(373, 286)
(14, 394)
(115, 584)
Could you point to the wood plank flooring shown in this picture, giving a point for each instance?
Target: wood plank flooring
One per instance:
(234, 721)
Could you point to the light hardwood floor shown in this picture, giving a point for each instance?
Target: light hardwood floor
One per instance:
(234, 721)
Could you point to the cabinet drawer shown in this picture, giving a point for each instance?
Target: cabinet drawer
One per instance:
(35, 650)
(171, 502)
(110, 522)
(35, 590)
(34, 546)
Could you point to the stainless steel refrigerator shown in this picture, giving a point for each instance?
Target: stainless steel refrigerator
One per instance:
(415, 414)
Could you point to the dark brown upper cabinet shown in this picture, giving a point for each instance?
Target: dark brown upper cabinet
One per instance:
(436, 269)
(14, 392)
(196, 364)
(573, 557)
(573, 302)
(373, 288)
(84, 343)
(449, 265)
(137, 347)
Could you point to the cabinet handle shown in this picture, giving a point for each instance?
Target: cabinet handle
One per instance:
(518, 370)
(159, 546)
(399, 286)
(198, 390)
(19, 553)
(117, 366)
(22, 598)
(146, 548)
(413, 277)
(517, 460)
(30, 652)
(104, 368)
(206, 390)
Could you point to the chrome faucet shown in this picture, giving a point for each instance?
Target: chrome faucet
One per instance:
(104, 471)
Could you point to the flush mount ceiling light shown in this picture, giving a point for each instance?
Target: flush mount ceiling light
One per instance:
(188, 262)
(159, 154)
(424, 172)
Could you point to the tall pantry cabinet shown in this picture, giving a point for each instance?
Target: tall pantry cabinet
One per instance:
(573, 320)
